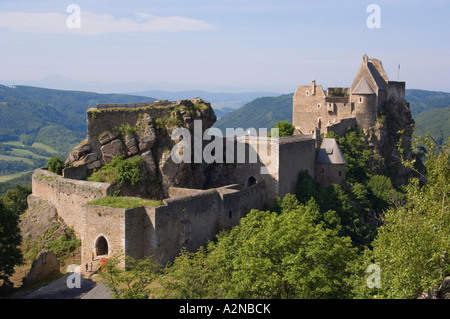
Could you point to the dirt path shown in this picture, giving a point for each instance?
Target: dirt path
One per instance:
(60, 288)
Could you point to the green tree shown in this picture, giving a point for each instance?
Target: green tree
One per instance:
(136, 282)
(55, 165)
(305, 187)
(10, 239)
(269, 255)
(362, 162)
(412, 246)
(285, 128)
(15, 199)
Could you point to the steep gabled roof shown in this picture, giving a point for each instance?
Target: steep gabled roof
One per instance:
(363, 87)
(330, 153)
(377, 71)
(372, 70)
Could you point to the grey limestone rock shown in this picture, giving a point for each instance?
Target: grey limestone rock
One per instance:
(112, 149)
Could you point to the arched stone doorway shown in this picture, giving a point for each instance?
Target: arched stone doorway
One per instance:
(101, 246)
(251, 180)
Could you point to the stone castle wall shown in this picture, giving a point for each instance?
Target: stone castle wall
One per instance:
(161, 232)
(318, 110)
(396, 91)
(105, 120)
(297, 153)
(67, 195)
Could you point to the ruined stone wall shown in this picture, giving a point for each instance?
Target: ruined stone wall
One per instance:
(43, 266)
(297, 153)
(189, 221)
(341, 127)
(106, 222)
(161, 232)
(67, 195)
(327, 174)
(186, 221)
(319, 111)
(396, 91)
(104, 120)
(309, 110)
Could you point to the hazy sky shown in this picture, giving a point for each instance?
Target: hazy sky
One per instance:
(224, 45)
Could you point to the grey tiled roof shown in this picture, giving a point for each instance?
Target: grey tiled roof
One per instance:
(330, 153)
(363, 87)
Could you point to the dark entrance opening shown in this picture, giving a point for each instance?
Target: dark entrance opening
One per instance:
(101, 247)
(250, 181)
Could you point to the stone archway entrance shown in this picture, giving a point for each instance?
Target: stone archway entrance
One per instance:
(101, 246)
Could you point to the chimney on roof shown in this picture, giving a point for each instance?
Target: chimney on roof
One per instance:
(365, 60)
(313, 87)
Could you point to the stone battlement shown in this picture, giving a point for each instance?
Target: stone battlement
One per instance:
(103, 106)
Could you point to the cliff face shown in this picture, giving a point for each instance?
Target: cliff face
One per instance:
(143, 131)
(393, 130)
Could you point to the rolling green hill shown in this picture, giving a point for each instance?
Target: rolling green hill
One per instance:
(435, 121)
(37, 123)
(263, 112)
(422, 101)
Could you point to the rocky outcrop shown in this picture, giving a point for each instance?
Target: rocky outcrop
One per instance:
(141, 131)
(393, 131)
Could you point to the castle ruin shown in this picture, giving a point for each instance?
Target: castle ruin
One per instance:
(357, 106)
(200, 199)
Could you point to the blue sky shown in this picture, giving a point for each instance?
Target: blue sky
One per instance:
(226, 45)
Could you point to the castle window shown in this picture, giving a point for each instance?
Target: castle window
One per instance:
(318, 105)
(230, 214)
(360, 100)
(340, 173)
(322, 171)
(307, 93)
(319, 123)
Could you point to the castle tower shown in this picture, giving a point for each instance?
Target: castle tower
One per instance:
(364, 100)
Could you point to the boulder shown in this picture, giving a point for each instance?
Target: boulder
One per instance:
(130, 143)
(112, 149)
(146, 134)
(79, 151)
(75, 172)
(108, 137)
(174, 174)
(149, 162)
(94, 165)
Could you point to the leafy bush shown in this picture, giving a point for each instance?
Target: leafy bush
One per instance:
(285, 128)
(55, 165)
(123, 172)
